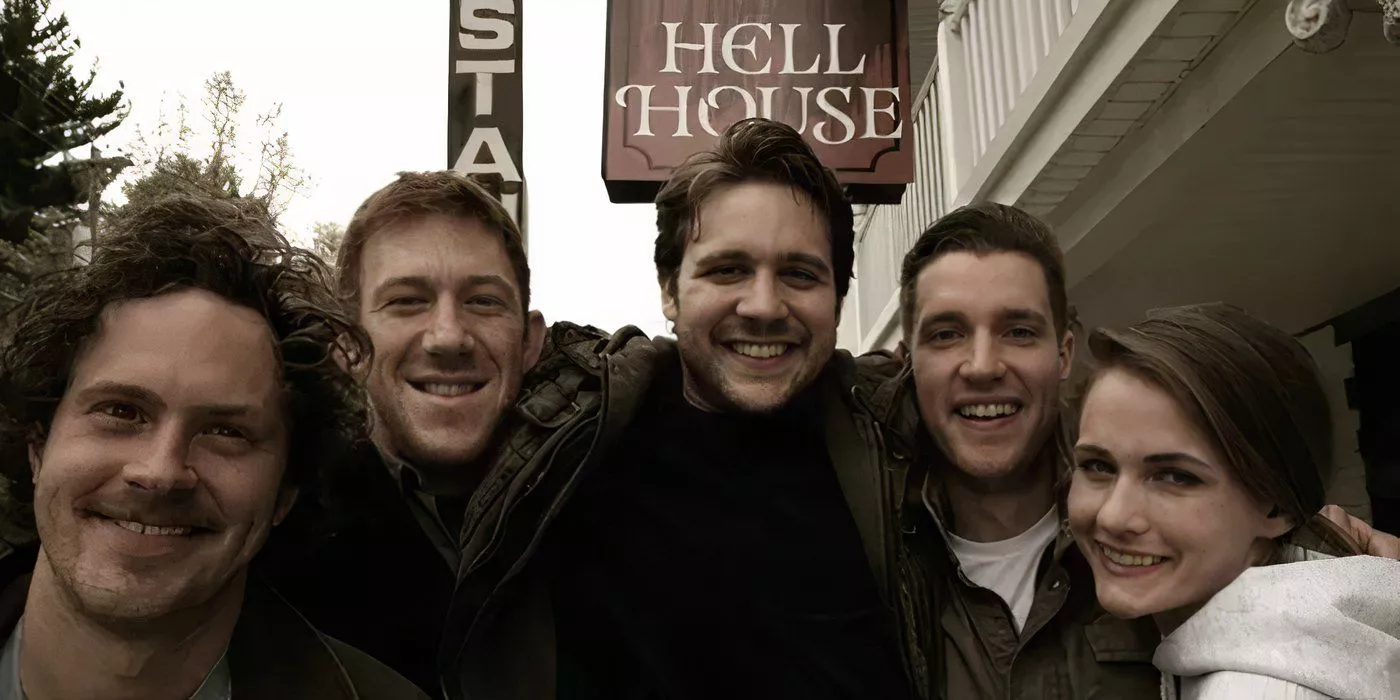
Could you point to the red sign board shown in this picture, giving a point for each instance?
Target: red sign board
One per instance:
(680, 71)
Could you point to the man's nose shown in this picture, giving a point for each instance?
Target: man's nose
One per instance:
(449, 331)
(984, 363)
(763, 299)
(164, 467)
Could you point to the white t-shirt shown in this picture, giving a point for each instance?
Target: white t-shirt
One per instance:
(1008, 567)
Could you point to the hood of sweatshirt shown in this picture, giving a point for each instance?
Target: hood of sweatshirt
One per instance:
(1331, 625)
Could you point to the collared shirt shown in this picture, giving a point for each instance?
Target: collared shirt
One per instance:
(217, 684)
(435, 514)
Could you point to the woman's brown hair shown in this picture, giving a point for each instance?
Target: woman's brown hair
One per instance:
(1253, 390)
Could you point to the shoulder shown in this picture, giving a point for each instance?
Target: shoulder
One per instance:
(371, 679)
(275, 653)
(571, 344)
(572, 365)
(866, 373)
(1332, 625)
(882, 385)
(878, 364)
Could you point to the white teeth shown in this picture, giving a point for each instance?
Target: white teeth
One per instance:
(439, 389)
(761, 351)
(1128, 559)
(988, 410)
(151, 529)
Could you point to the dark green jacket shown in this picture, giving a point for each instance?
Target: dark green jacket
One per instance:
(960, 639)
(965, 640)
(499, 638)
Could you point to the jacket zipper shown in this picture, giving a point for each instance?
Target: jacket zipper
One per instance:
(548, 517)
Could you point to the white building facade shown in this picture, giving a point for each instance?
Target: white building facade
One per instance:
(1184, 151)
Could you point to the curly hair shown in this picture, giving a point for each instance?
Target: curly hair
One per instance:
(227, 247)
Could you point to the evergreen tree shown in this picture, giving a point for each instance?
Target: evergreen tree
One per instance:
(46, 111)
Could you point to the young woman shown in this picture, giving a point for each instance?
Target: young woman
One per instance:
(1203, 450)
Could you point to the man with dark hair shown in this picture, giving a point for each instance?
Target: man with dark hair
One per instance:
(1004, 603)
(434, 270)
(704, 518)
(168, 402)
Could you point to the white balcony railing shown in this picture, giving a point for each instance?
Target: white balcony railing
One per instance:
(888, 231)
(989, 52)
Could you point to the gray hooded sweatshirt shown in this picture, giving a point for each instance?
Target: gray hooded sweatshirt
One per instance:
(1302, 631)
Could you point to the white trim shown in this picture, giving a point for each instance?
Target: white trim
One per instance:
(920, 100)
(1254, 43)
(1099, 42)
(1083, 75)
(885, 324)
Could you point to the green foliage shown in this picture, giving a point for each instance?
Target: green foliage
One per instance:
(45, 111)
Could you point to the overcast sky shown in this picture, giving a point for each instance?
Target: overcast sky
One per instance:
(364, 93)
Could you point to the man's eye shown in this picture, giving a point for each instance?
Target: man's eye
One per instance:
(1022, 333)
(406, 301)
(725, 271)
(943, 335)
(486, 301)
(227, 431)
(803, 275)
(117, 410)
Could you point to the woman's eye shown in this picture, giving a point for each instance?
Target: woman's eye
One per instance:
(1179, 477)
(1096, 466)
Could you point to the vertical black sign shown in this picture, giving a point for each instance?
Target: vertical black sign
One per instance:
(484, 101)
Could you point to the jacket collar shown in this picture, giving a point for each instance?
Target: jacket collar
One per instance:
(856, 449)
(274, 652)
(934, 500)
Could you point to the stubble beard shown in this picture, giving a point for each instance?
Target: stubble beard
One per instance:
(1020, 471)
(708, 387)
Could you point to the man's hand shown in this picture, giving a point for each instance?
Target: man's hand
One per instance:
(1372, 541)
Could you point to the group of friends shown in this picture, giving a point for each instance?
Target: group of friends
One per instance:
(234, 470)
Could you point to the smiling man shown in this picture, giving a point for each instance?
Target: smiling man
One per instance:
(1008, 607)
(697, 518)
(434, 270)
(167, 402)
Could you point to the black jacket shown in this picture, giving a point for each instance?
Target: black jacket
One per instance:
(274, 653)
(499, 640)
(356, 563)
